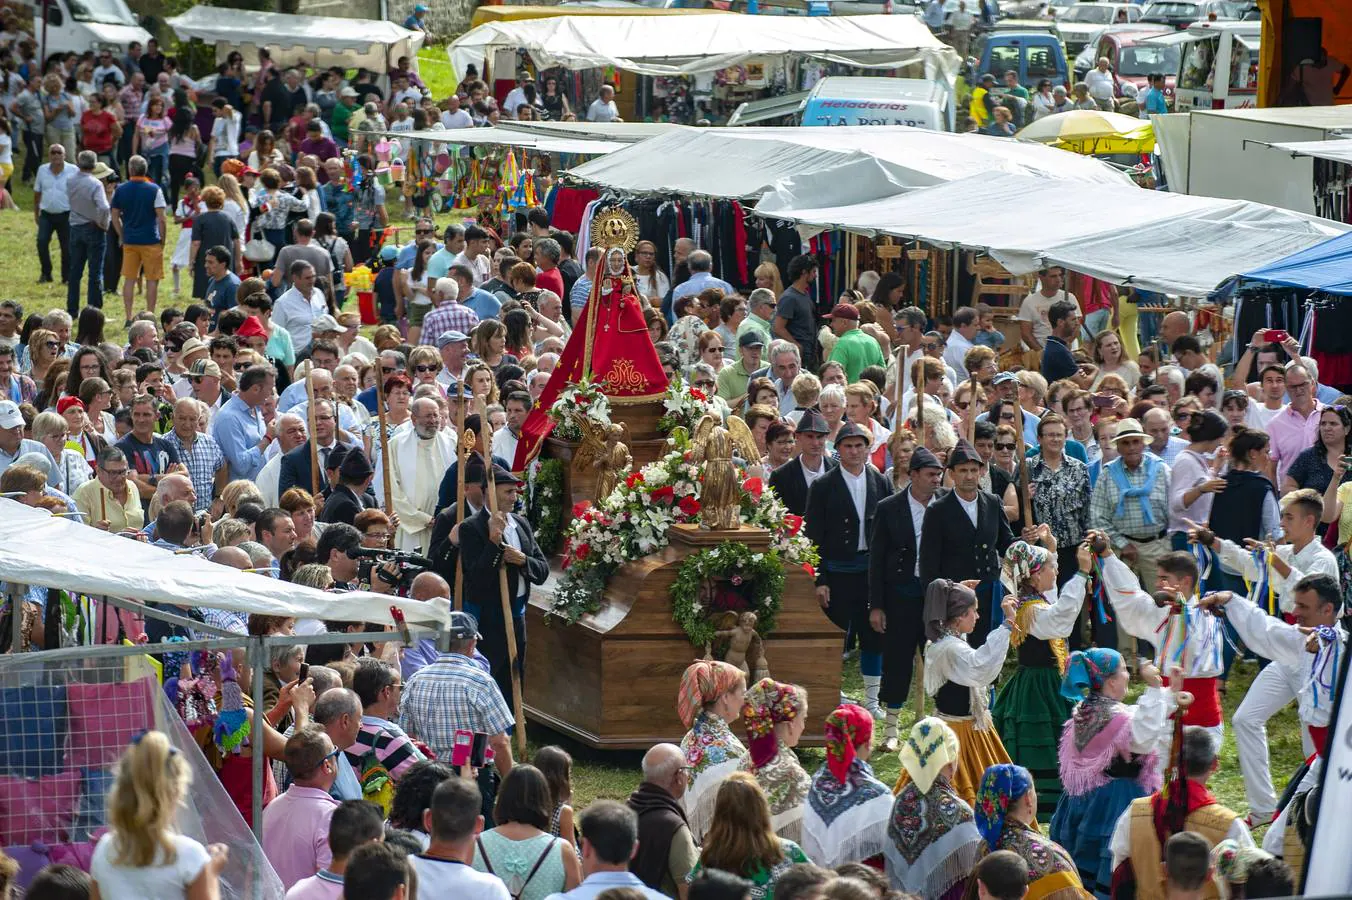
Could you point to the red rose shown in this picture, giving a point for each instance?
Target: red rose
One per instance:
(689, 505)
(811, 572)
(582, 551)
(698, 394)
(753, 487)
(633, 478)
(795, 524)
(581, 508)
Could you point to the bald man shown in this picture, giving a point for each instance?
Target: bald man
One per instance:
(1173, 326)
(233, 557)
(425, 586)
(171, 487)
(666, 847)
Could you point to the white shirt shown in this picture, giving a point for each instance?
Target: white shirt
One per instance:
(457, 119)
(1100, 84)
(102, 72)
(969, 507)
(601, 111)
(296, 314)
(226, 134)
(444, 878)
(1258, 415)
(956, 352)
(163, 882)
(1034, 309)
(858, 485)
(504, 444)
(917, 521)
(515, 98)
(1120, 843)
(1312, 559)
(479, 265)
(811, 475)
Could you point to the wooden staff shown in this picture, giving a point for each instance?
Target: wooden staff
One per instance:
(507, 620)
(462, 452)
(920, 405)
(310, 415)
(384, 443)
(1021, 469)
(103, 503)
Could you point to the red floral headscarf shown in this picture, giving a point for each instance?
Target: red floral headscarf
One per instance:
(847, 727)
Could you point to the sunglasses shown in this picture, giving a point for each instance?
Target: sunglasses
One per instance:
(713, 349)
(929, 346)
(240, 367)
(423, 231)
(703, 384)
(1005, 446)
(424, 369)
(962, 404)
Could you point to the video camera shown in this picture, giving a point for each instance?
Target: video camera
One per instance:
(372, 562)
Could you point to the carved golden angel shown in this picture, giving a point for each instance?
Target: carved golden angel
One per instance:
(713, 444)
(603, 448)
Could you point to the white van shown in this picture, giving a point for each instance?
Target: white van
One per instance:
(1218, 67)
(80, 25)
(841, 100)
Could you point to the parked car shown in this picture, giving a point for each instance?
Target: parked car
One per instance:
(1182, 13)
(1033, 55)
(1132, 58)
(1081, 23)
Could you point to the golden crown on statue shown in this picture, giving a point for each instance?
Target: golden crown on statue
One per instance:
(615, 228)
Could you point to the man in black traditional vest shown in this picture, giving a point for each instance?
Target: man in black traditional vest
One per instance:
(810, 462)
(666, 848)
(840, 509)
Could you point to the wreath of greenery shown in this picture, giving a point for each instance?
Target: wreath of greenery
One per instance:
(546, 509)
(759, 572)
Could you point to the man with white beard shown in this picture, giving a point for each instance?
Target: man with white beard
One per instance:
(419, 457)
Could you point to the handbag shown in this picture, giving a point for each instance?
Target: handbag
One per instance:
(259, 250)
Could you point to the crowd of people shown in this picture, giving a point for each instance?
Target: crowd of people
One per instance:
(1056, 486)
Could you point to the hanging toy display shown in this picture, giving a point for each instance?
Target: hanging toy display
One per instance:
(232, 721)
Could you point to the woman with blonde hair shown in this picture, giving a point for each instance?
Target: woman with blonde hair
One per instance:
(767, 276)
(387, 337)
(142, 855)
(235, 206)
(742, 841)
(969, 401)
(861, 407)
(1111, 360)
(902, 446)
(710, 697)
(43, 350)
(239, 492)
(489, 343)
(775, 716)
(481, 383)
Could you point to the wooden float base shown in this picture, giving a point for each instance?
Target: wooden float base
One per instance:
(610, 680)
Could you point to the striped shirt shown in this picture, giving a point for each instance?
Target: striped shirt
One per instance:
(386, 741)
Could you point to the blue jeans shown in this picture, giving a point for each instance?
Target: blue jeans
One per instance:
(87, 244)
(158, 170)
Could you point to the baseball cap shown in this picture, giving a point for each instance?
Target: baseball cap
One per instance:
(389, 252)
(10, 417)
(205, 368)
(843, 311)
(348, 92)
(451, 337)
(750, 339)
(1003, 378)
(463, 626)
(325, 323)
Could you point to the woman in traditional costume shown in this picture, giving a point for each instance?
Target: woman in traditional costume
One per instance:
(775, 715)
(710, 697)
(933, 844)
(847, 806)
(959, 678)
(1109, 757)
(1030, 711)
(1006, 816)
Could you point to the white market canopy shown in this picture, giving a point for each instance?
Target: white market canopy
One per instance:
(507, 137)
(39, 549)
(828, 166)
(1154, 240)
(1336, 149)
(686, 45)
(321, 41)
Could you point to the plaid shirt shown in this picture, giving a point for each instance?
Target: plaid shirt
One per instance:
(1131, 523)
(203, 461)
(449, 316)
(452, 693)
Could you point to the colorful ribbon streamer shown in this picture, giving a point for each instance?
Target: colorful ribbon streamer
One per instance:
(1324, 668)
(1100, 593)
(1262, 593)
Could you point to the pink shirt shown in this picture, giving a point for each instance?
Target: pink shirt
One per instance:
(1289, 434)
(320, 886)
(296, 833)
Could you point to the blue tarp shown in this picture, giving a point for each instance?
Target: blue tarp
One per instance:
(1324, 267)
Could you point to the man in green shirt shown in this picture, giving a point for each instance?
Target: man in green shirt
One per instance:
(760, 315)
(854, 349)
(733, 379)
(342, 115)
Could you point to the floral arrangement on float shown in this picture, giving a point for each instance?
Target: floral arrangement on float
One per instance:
(635, 519)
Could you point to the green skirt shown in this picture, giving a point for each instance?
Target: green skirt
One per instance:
(1029, 713)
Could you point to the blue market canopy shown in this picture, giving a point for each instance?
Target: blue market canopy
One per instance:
(1327, 267)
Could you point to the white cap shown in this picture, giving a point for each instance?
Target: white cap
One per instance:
(10, 417)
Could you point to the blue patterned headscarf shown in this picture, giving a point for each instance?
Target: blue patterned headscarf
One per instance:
(1001, 786)
(1087, 671)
